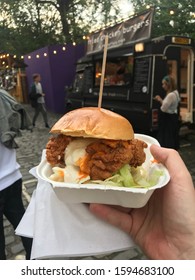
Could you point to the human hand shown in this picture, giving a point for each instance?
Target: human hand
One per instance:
(165, 227)
(158, 98)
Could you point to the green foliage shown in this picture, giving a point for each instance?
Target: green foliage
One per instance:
(26, 25)
(22, 29)
(171, 17)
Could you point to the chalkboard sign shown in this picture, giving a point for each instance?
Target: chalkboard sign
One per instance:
(141, 73)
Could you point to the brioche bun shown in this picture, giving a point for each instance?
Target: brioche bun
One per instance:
(94, 122)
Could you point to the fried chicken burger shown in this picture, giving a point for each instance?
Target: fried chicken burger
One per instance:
(92, 144)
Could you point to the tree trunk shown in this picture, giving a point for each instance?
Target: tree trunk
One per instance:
(63, 8)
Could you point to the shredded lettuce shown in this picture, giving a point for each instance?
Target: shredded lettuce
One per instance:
(131, 177)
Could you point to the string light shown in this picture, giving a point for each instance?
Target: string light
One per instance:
(44, 54)
(11, 72)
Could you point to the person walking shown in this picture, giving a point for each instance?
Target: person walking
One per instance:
(168, 134)
(38, 100)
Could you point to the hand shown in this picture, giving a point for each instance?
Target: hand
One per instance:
(158, 98)
(165, 227)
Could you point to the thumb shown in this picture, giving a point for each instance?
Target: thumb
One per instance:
(170, 158)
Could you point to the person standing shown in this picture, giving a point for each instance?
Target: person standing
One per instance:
(13, 119)
(168, 134)
(11, 204)
(38, 100)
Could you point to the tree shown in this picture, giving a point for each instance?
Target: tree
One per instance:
(171, 17)
(77, 16)
(31, 24)
(24, 28)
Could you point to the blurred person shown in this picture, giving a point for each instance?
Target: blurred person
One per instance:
(38, 100)
(165, 227)
(13, 119)
(168, 134)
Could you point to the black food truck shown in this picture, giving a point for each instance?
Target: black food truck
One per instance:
(135, 66)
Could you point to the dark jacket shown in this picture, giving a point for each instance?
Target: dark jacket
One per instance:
(33, 96)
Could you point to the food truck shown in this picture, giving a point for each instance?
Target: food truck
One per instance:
(135, 66)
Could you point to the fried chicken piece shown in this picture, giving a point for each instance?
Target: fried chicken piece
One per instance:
(139, 156)
(108, 156)
(104, 157)
(55, 149)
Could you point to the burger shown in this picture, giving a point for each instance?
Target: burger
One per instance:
(93, 144)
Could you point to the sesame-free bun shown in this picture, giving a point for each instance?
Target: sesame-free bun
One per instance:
(94, 122)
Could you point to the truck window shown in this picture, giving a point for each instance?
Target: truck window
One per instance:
(118, 71)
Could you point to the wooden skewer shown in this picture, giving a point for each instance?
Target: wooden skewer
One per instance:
(103, 72)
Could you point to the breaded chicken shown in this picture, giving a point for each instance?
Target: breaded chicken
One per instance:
(108, 156)
(55, 149)
(104, 157)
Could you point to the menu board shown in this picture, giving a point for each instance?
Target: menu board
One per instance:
(141, 73)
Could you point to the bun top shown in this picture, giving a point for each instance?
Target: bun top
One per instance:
(94, 122)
